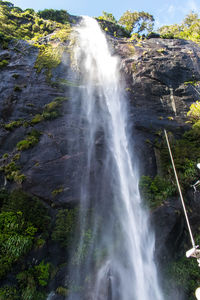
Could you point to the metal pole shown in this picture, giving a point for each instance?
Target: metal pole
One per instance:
(180, 192)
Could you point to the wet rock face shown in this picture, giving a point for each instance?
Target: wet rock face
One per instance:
(155, 73)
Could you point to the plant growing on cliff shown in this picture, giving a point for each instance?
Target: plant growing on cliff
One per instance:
(107, 17)
(60, 16)
(194, 112)
(189, 29)
(16, 239)
(155, 190)
(21, 218)
(31, 280)
(31, 140)
(49, 57)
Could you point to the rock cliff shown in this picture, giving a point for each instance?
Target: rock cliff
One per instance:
(37, 131)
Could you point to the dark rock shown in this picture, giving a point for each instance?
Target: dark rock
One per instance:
(155, 72)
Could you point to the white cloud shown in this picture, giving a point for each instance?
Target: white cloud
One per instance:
(171, 9)
(190, 5)
(171, 13)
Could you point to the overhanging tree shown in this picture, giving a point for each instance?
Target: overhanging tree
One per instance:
(137, 21)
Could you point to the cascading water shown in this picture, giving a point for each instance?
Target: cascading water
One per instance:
(113, 258)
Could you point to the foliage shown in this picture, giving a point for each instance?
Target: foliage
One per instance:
(31, 280)
(14, 124)
(3, 63)
(49, 57)
(9, 293)
(186, 155)
(185, 273)
(108, 17)
(194, 112)
(189, 29)
(21, 218)
(16, 23)
(37, 119)
(12, 172)
(65, 226)
(16, 238)
(31, 140)
(42, 273)
(32, 208)
(62, 34)
(137, 21)
(50, 112)
(60, 16)
(155, 190)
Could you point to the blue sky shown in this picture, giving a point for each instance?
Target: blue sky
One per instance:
(164, 11)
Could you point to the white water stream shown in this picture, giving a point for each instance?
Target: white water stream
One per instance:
(116, 236)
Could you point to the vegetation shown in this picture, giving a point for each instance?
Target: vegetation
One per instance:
(194, 112)
(186, 155)
(184, 273)
(14, 124)
(12, 172)
(22, 220)
(155, 190)
(31, 140)
(137, 21)
(16, 23)
(60, 16)
(107, 17)
(49, 57)
(31, 281)
(188, 30)
(3, 63)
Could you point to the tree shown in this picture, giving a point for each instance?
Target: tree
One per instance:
(60, 16)
(108, 17)
(137, 21)
(189, 29)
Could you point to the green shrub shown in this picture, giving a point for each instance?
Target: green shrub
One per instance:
(5, 155)
(37, 119)
(42, 273)
(32, 208)
(3, 63)
(50, 115)
(29, 282)
(14, 124)
(188, 29)
(16, 239)
(185, 274)
(12, 172)
(186, 155)
(194, 112)
(62, 34)
(31, 140)
(9, 293)
(60, 16)
(48, 59)
(156, 190)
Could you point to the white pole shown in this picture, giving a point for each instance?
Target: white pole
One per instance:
(197, 293)
(179, 189)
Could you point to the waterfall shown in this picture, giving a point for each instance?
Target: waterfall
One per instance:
(113, 255)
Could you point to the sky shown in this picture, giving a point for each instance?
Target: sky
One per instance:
(165, 12)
